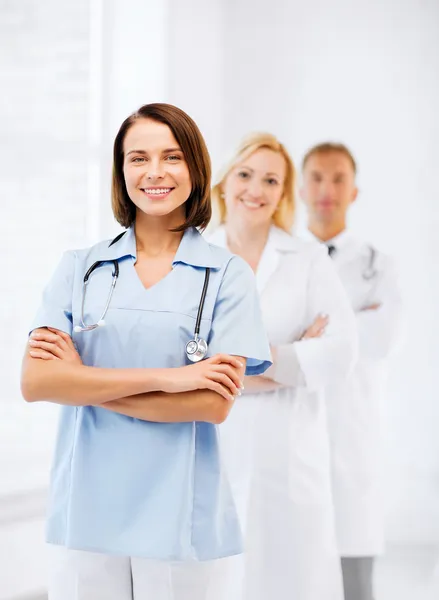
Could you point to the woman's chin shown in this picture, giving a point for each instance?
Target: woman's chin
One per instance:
(160, 209)
(254, 219)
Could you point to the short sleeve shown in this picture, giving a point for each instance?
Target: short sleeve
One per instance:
(237, 326)
(56, 306)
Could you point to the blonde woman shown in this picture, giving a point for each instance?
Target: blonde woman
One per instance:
(275, 442)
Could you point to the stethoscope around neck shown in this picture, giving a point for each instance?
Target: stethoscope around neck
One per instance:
(101, 322)
(196, 348)
(370, 271)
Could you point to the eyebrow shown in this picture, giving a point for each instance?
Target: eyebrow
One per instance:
(252, 170)
(163, 151)
(337, 173)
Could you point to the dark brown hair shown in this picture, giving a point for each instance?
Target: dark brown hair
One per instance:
(193, 146)
(327, 148)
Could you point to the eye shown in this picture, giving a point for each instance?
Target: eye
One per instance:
(173, 157)
(272, 181)
(316, 177)
(243, 175)
(138, 159)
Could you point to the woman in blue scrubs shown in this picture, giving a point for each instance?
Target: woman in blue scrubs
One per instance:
(139, 505)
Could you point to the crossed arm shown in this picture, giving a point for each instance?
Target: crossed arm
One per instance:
(53, 371)
(266, 383)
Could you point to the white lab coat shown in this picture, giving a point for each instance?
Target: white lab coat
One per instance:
(275, 443)
(355, 405)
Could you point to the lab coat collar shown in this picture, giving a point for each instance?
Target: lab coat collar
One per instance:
(193, 249)
(346, 244)
(277, 238)
(282, 241)
(279, 242)
(218, 237)
(340, 241)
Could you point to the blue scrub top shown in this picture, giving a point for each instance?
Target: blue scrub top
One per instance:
(136, 488)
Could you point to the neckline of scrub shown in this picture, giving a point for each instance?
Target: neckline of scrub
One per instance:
(155, 285)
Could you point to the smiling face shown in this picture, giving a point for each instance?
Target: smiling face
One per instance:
(254, 187)
(156, 174)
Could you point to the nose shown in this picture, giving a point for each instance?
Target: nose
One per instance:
(156, 170)
(254, 189)
(327, 189)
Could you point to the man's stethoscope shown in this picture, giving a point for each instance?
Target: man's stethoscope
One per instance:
(370, 271)
(196, 348)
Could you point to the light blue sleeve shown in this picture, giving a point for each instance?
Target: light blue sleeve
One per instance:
(237, 326)
(56, 306)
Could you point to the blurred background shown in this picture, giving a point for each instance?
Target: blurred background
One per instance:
(362, 73)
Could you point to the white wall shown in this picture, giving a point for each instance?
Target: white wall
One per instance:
(195, 65)
(134, 72)
(43, 187)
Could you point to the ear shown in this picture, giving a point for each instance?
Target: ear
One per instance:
(354, 194)
(219, 188)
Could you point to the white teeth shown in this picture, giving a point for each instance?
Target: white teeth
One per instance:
(251, 204)
(157, 191)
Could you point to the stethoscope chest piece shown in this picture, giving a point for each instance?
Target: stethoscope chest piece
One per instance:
(196, 349)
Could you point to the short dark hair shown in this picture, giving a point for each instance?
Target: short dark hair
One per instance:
(193, 146)
(327, 148)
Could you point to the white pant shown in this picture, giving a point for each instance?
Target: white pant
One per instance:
(78, 575)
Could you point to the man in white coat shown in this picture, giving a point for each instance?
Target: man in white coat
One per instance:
(354, 406)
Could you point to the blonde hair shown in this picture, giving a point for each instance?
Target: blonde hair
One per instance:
(284, 215)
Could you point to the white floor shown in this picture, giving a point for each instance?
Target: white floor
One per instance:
(408, 573)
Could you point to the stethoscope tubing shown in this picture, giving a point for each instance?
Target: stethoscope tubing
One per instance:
(200, 344)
